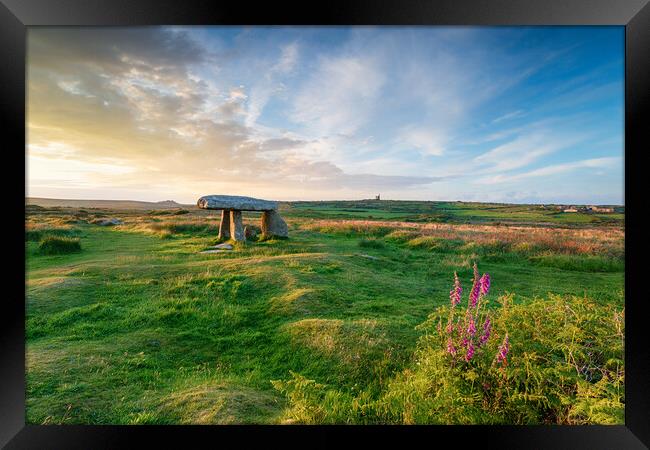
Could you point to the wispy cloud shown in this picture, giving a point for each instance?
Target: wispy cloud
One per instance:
(508, 116)
(267, 84)
(428, 141)
(608, 162)
(339, 96)
(523, 151)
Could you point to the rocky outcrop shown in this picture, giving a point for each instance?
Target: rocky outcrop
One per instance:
(106, 222)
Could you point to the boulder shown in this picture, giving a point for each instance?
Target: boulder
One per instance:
(250, 232)
(235, 202)
(224, 246)
(106, 222)
(274, 225)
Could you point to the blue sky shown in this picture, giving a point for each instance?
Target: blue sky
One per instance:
(506, 114)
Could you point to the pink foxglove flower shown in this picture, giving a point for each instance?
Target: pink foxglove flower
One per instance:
(485, 284)
(487, 328)
(471, 327)
(450, 347)
(470, 351)
(503, 351)
(449, 328)
(455, 293)
(476, 288)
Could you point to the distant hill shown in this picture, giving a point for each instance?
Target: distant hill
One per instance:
(109, 204)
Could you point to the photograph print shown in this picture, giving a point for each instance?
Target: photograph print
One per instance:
(325, 225)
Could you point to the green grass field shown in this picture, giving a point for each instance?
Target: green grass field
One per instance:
(451, 212)
(139, 327)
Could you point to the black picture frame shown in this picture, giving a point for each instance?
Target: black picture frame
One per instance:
(634, 15)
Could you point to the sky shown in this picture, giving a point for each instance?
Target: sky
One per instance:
(493, 114)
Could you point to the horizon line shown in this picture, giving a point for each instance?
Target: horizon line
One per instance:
(338, 200)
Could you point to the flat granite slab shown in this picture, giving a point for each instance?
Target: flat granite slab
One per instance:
(236, 202)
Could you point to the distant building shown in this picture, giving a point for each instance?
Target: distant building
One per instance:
(377, 197)
(570, 210)
(599, 209)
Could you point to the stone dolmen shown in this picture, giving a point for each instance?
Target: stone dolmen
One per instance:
(231, 206)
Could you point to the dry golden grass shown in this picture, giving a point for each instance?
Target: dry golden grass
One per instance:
(606, 241)
(348, 341)
(219, 403)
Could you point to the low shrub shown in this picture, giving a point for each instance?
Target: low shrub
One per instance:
(165, 234)
(56, 245)
(557, 360)
(495, 246)
(35, 234)
(401, 236)
(352, 230)
(371, 243)
(435, 244)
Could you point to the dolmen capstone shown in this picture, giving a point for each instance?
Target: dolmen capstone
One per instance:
(231, 206)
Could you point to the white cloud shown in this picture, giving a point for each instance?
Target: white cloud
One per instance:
(555, 169)
(238, 93)
(340, 96)
(508, 116)
(427, 141)
(267, 85)
(288, 59)
(523, 151)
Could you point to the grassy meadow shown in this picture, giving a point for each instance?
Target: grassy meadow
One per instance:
(131, 324)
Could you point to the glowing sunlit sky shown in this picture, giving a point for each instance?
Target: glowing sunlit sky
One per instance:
(507, 114)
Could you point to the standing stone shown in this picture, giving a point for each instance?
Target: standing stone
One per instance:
(224, 226)
(274, 225)
(236, 226)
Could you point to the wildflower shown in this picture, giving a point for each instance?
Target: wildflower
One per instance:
(450, 347)
(487, 328)
(470, 351)
(503, 351)
(485, 284)
(471, 328)
(476, 288)
(455, 293)
(474, 295)
(450, 327)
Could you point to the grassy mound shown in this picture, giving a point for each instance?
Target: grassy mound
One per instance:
(57, 245)
(37, 234)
